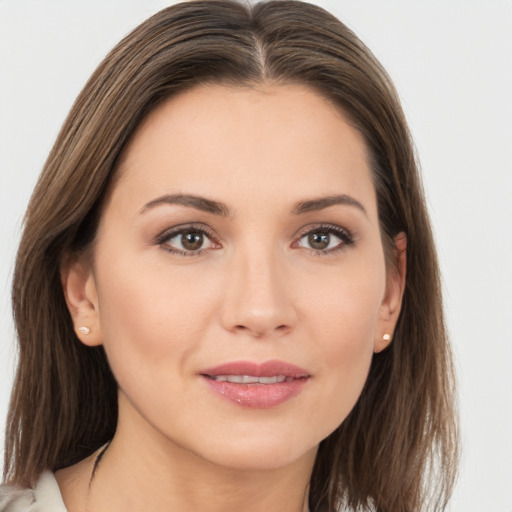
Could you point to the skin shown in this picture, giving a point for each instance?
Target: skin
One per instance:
(257, 290)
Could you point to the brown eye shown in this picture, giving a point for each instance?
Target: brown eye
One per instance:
(325, 239)
(192, 241)
(187, 241)
(319, 240)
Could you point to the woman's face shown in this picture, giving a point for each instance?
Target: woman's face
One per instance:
(239, 285)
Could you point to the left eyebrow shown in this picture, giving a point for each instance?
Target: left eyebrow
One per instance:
(321, 203)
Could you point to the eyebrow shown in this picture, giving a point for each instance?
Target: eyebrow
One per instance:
(325, 202)
(189, 201)
(219, 208)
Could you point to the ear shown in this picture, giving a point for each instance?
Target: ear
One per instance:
(79, 288)
(392, 302)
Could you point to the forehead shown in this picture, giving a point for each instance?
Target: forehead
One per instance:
(281, 141)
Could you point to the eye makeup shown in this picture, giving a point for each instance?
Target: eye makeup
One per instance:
(194, 239)
(324, 239)
(188, 239)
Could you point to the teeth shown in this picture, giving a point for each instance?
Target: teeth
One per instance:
(249, 379)
(272, 380)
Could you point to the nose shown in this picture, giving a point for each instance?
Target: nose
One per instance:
(258, 301)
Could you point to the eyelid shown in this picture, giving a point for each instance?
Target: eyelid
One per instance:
(169, 233)
(344, 234)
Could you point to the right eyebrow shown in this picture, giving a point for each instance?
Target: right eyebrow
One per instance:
(190, 201)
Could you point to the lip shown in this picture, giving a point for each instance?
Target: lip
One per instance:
(258, 396)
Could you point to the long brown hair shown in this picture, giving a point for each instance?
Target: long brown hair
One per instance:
(397, 450)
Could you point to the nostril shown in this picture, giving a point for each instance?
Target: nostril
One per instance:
(282, 329)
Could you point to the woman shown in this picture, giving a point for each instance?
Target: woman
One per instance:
(227, 282)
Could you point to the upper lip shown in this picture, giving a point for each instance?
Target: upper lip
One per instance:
(265, 369)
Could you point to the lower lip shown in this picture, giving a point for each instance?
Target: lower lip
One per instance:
(258, 396)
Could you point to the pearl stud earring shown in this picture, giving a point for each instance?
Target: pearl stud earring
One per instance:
(84, 330)
(386, 337)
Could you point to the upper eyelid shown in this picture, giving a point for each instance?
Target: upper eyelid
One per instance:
(325, 225)
(180, 228)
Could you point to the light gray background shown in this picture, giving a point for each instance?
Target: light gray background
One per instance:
(451, 62)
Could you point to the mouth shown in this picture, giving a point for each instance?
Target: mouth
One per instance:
(250, 379)
(253, 385)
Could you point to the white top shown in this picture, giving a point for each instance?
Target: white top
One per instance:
(45, 497)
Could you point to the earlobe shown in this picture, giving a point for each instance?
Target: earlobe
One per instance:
(79, 289)
(392, 302)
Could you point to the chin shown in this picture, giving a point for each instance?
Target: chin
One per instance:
(259, 458)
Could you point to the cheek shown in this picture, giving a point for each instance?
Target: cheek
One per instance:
(347, 341)
(151, 319)
(344, 303)
(344, 323)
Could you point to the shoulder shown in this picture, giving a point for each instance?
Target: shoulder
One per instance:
(44, 497)
(15, 499)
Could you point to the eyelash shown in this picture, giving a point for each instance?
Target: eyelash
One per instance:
(169, 234)
(344, 235)
(347, 239)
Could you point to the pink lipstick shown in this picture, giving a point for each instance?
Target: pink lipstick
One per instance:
(259, 386)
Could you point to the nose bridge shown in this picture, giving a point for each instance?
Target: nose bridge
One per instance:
(257, 296)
